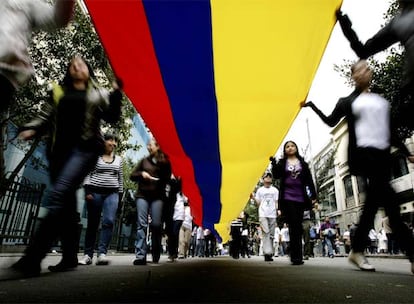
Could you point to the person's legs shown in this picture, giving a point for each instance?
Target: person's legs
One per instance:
(267, 239)
(182, 242)
(65, 185)
(306, 238)
(94, 210)
(156, 229)
(69, 236)
(175, 236)
(187, 241)
(377, 171)
(294, 217)
(329, 245)
(142, 226)
(110, 206)
(70, 233)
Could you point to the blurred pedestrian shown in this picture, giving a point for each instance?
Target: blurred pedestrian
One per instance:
(370, 138)
(152, 174)
(103, 193)
(297, 194)
(72, 119)
(18, 19)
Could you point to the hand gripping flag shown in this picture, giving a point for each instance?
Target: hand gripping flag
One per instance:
(218, 82)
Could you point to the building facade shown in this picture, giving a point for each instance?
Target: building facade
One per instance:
(342, 195)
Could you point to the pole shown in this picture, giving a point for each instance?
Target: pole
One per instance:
(311, 162)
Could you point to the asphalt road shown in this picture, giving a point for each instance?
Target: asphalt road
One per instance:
(214, 280)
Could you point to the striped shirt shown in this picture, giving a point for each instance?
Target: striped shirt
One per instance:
(106, 177)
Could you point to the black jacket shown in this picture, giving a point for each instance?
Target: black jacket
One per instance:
(343, 109)
(279, 172)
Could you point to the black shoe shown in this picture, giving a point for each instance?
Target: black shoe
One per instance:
(25, 268)
(298, 262)
(268, 258)
(140, 262)
(63, 266)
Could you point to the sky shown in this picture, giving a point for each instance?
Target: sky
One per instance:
(328, 86)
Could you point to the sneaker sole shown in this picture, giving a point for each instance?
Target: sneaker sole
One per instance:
(363, 269)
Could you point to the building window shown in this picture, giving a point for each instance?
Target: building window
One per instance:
(349, 192)
(362, 188)
(398, 165)
(327, 199)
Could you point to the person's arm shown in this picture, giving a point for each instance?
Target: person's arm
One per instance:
(137, 173)
(337, 114)
(256, 198)
(41, 124)
(379, 42)
(112, 114)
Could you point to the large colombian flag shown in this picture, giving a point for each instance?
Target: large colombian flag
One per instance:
(218, 82)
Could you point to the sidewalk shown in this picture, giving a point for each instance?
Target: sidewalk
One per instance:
(214, 280)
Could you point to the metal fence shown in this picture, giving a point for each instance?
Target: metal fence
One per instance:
(19, 208)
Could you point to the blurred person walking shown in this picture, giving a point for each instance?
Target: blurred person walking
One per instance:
(18, 19)
(72, 119)
(370, 139)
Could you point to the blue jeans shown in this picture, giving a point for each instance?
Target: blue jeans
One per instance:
(62, 218)
(154, 209)
(328, 243)
(107, 205)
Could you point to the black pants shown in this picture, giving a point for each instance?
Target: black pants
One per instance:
(294, 217)
(375, 165)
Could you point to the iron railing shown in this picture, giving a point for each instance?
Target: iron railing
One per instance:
(19, 209)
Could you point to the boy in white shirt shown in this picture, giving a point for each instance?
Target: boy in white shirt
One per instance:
(266, 198)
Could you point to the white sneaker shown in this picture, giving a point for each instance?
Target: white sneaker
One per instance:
(102, 260)
(359, 259)
(86, 260)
